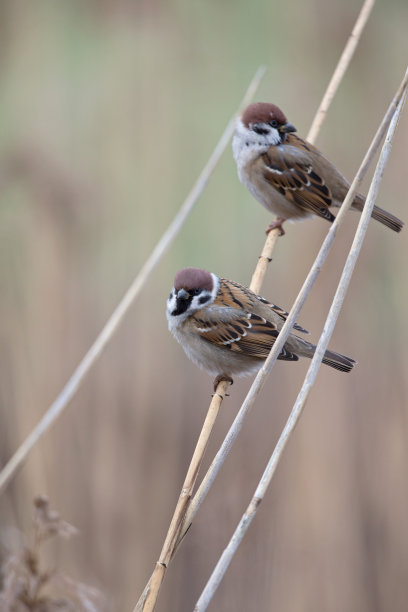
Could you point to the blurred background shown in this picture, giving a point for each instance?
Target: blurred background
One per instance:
(108, 112)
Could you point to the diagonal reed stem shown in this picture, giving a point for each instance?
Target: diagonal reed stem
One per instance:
(290, 321)
(77, 378)
(256, 284)
(148, 598)
(230, 550)
(294, 313)
(340, 70)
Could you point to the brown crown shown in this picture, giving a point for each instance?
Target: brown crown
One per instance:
(262, 112)
(193, 278)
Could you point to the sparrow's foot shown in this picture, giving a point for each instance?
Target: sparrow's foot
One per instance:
(221, 377)
(276, 224)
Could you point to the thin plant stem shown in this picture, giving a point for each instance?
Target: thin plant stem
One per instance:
(148, 598)
(256, 283)
(148, 601)
(176, 530)
(340, 70)
(338, 74)
(73, 384)
(264, 371)
(264, 260)
(230, 550)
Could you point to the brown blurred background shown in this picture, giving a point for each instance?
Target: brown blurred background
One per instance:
(108, 112)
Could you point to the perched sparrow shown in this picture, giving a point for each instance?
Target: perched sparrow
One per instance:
(228, 330)
(288, 175)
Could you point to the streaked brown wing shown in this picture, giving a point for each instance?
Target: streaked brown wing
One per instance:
(231, 322)
(249, 334)
(235, 296)
(282, 313)
(294, 177)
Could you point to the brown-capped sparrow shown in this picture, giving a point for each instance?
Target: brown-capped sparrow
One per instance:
(228, 330)
(288, 175)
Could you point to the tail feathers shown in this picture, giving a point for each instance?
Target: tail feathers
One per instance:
(387, 219)
(339, 362)
(332, 359)
(381, 215)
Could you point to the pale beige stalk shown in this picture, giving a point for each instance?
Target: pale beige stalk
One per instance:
(260, 271)
(176, 530)
(108, 331)
(340, 70)
(338, 74)
(256, 283)
(293, 316)
(230, 550)
(264, 260)
(149, 596)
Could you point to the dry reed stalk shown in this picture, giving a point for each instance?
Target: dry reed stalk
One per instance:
(256, 283)
(338, 74)
(175, 534)
(151, 591)
(264, 260)
(71, 387)
(230, 550)
(341, 68)
(264, 371)
(266, 257)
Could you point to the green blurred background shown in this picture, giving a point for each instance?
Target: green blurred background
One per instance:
(108, 112)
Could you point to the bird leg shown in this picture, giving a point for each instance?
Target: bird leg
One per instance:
(276, 224)
(221, 377)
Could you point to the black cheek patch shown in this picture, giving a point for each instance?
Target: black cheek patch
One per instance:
(204, 299)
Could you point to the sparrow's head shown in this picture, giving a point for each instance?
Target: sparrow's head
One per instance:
(267, 121)
(193, 289)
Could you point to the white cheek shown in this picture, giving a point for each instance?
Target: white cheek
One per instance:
(195, 304)
(246, 144)
(240, 141)
(170, 305)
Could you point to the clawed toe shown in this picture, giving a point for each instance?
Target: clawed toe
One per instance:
(277, 224)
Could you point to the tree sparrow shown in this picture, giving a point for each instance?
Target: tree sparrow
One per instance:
(227, 329)
(288, 175)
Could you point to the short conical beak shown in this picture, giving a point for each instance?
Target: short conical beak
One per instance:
(182, 294)
(288, 127)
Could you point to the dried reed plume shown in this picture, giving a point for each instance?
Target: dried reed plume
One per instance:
(28, 587)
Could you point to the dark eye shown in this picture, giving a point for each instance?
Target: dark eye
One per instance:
(195, 292)
(273, 123)
(260, 130)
